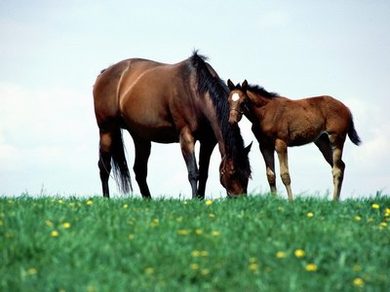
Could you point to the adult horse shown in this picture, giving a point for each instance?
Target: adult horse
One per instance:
(167, 103)
(279, 122)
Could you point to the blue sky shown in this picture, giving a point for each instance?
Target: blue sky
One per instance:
(52, 51)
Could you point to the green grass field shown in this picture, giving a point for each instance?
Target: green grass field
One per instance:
(257, 243)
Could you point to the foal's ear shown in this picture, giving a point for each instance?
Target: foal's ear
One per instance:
(244, 85)
(230, 84)
(248, 148)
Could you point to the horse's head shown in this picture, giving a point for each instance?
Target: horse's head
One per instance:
(235, 173)
(236, 100)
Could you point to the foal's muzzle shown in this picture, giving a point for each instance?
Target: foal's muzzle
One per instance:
(234, 116)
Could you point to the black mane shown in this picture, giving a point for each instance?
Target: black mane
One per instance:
(209, 81)
(261, 91)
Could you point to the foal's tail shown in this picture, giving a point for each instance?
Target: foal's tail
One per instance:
(121, 170)
(352, 134)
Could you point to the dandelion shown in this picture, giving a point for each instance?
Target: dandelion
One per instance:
(125, 206)
(60, 201)
(375, 206)
(254, 267)
(299, 253)
(183, 232)
(149, 271)
(199, 253)
(310, 214)
(387, 212)
(155, 222)
(89, 202)
(358, 282)
(205, 272)
(31, 271)
(54, 233)
(194, 267)
(382, 225)
(215, 233)
(198, 231)
(311, 267)
(130, 236)
(280, 255)
(357, 218)
(211, 215)
(49, 223)
(208, 202)
(66, 225)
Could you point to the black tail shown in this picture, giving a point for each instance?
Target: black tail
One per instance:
(121, 170)
(353, 135)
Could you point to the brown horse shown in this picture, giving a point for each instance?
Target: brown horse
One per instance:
(167, 103)
(279, 122)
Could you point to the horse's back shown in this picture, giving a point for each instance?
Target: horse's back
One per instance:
(111, 81)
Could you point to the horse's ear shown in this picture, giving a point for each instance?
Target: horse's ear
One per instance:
(244, 85)
(230, 84)
(248, 148)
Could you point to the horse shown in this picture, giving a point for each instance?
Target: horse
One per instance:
(167, 103)
(279, 122)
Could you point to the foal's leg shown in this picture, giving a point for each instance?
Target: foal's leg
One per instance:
(337, 143)
(268, 154)
(142, 153)
(187, 144)
(323, 144)
(104, 163)
(281, 149)
(205, 151)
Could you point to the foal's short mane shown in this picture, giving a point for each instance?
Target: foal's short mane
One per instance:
(209, 81)
(261, 91)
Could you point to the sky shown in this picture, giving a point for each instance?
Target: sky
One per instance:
(52, 51)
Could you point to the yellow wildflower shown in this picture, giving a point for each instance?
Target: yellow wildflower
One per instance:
(211, 215)
(89, 202)
(254, 267)
(125, 206)
(54, 233)
(154, 222)
(194, 266)
(215, 233)
(310, 214)
(198, 231)
(311, 267)
(49, 223)
(205, 272)
(183, 232)
(131, 236)
(299, 253)
(280, 254)
(387, 212)
(375, 206)
(31, 271)
(149, 271)
(357, 218)
(66, 225)
(383, 225)
(209, 202)
(358, 282)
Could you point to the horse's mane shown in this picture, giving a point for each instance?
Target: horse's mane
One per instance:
(261, 91)
(209, 81)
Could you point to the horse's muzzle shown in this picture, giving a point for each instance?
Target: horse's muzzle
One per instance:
(234, 116)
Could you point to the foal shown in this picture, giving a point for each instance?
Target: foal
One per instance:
(279, 122)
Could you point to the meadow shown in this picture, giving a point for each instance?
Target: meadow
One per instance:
(258, 243)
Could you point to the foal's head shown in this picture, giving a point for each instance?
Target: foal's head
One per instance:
(236, 99)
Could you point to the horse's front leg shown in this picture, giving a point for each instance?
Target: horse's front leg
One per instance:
(205, 151)
(281, 149)
(267, 150)
(187, 144)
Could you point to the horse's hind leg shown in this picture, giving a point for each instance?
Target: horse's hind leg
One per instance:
(187, 144)
(105, 160)
(142, 153)
(281, 149)
(337, 143)
(269, 159)
(325, 147)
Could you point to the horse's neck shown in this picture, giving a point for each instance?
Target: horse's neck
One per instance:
(257, 100)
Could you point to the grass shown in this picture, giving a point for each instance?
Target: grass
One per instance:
(256, 243)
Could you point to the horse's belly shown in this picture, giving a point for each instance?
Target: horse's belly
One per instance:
(159, 134)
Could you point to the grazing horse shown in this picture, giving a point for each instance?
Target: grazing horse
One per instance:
(279, 122)
(167, 103)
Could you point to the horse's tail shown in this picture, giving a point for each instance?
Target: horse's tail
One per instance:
(352, 134)
(121, 170)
